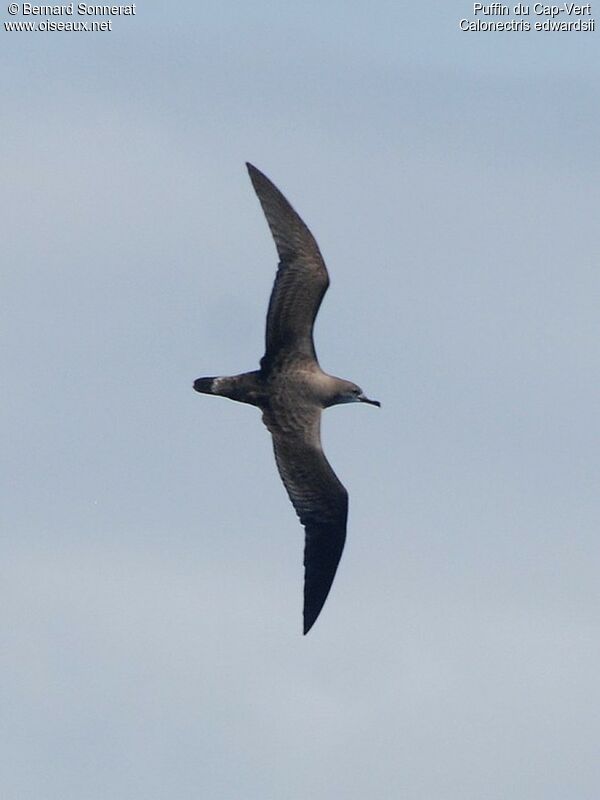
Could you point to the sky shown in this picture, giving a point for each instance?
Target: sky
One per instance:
(151, 563)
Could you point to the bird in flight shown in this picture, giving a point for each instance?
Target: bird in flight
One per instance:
(291, 390)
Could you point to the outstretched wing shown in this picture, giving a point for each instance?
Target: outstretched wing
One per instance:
(321, 503)
(301, 279)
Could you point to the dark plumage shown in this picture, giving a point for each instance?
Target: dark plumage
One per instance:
(292, 390)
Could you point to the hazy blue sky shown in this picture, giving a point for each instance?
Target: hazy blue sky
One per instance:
(151, 562)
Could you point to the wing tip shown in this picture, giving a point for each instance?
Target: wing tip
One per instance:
(308, 625)
(322, 553)
(255, 173)
(312, 611)
(263, 186)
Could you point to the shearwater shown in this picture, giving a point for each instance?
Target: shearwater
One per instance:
(291, 390)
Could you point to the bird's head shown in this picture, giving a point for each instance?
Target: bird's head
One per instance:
(351, 393)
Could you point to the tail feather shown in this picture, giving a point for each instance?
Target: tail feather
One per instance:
(245, 388)
(204, 385)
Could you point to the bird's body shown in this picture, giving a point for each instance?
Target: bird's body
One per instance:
(291, 389)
